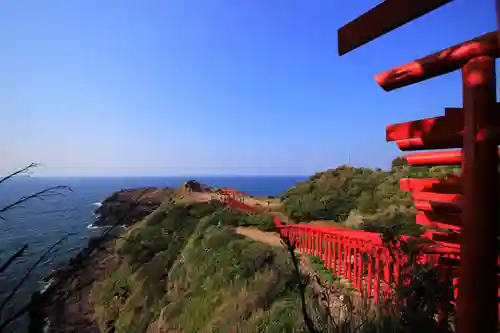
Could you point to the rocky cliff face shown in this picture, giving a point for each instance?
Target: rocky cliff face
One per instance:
(182, 269)
(65, 303)
(128, 206)
(131, 282)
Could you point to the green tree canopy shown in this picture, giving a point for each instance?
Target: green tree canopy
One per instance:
(375, 194)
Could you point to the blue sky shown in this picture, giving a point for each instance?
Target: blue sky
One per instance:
(170, 87)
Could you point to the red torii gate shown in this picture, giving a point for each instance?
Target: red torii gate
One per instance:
(468, 205)
(231, 192)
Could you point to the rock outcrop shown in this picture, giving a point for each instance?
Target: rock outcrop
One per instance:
(65, 301)
(193, 185)
(128, 206)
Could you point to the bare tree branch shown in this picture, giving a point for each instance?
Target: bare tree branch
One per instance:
(32, 165)
(38, 195)
(87, 254)
(15, 316)
(13, 257)
(301, 285)
(90, 250)
(28, 272)
(18, 203)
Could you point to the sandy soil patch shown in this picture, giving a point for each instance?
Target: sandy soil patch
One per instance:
(271, 238)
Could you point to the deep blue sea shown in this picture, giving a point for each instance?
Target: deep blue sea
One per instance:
(40, 223)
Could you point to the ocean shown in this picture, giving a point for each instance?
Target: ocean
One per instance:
(40, 223)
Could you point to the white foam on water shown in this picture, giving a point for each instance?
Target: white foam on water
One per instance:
(91, 226)
(47, 325)
(47, 285)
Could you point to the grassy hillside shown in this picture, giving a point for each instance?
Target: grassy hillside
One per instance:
(183, 269)
(361, 197)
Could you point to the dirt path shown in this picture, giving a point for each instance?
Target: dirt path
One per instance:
(259, 203)
(271, 238)
(200, 196)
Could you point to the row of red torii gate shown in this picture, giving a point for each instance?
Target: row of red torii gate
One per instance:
(466, 206)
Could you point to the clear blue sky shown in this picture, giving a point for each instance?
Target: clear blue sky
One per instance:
(166, 87)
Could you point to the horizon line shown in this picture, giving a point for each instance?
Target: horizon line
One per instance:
(166, 176)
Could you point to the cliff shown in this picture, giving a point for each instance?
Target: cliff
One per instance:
(182, 268)
(184, 264)
(131, 205)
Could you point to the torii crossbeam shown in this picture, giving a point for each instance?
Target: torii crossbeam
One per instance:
(477, 132)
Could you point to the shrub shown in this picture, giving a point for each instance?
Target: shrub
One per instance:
(373, 194)
(260, 221)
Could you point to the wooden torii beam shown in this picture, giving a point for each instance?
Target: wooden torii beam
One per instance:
(478, 286)
(385, 17)
(477, 303)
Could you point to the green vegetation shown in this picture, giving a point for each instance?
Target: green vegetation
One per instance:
(183, 269)
(361, 197)
(317, 264)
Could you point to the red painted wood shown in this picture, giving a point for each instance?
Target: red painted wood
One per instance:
(240, 205)
(359, 265)
(328, 252)
(387, 276)
(436, 197)
(453, 238)
(370, 268)
(439, 63)
(319, 248)
(451, 184)
(340, 256)
(355, 265)
(397, 266)
(453, 220)
(477, 304)
(458, 112)
(429, 143)
(308, 242)
(335, 254)
(376, 294)
(312, 241)
(332, 253)
(315, 242)
(429, 127)
(387, 16)
(423, 219)
(436, 128)
(449, 157)
(441, 207)
(341, 245)
(347, 259)
(417, 185)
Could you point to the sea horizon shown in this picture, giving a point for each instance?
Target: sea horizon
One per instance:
(165, 176)
(40, 223)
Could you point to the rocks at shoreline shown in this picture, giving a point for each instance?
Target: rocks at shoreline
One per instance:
(128, 206)
(125, 207)
(65, 300)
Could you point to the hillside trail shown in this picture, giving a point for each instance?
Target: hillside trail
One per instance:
(274, 239)
(268, 237)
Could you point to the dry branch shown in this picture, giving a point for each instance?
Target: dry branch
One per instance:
(13, 257)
